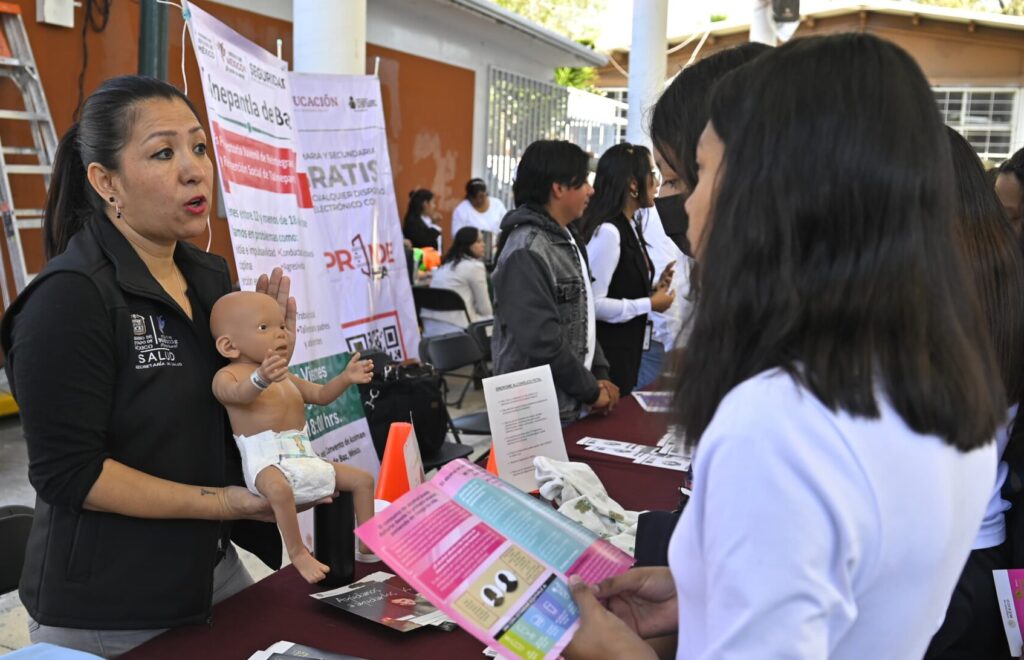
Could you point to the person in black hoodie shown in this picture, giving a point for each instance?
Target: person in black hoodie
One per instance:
(110, 358)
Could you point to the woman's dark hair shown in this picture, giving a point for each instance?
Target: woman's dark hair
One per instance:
(620, 165)
(101, 132)
(417, 198)
(464, 239)
(829, 251)
(681, 112)
(994, 261)
(1014, 165)
(544, 163)
(474, 187)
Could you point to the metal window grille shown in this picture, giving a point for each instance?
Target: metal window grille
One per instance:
(985, 116)
(521, 110)
(595, 122)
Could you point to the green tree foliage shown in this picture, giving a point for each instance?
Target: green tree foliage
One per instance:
(1006, 7)
(576, 19)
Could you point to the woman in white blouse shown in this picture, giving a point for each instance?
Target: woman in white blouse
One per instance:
(478, 210)
(839, 382)
(625, 186)
(463, 272)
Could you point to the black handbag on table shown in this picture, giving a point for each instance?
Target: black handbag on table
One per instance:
(397, 392)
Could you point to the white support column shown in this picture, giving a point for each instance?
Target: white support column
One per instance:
(330, 36)
(647, 61)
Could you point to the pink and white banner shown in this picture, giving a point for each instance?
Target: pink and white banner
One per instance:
(269, 204)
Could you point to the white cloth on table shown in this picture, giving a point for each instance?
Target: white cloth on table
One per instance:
(581, 496)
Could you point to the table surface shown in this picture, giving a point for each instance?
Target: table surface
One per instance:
(279, 607)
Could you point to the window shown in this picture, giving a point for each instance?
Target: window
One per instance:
(985, 116)
(620, 94)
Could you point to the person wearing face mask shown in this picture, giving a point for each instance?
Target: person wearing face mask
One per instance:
(821, 392)
(676, 122)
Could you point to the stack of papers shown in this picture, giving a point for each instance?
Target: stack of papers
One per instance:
(669, 454)
(654, 401)
(388, 599)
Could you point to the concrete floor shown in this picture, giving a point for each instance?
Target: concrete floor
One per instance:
(15, 489)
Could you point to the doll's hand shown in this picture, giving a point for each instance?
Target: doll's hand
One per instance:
(359, 372)
(274, 368)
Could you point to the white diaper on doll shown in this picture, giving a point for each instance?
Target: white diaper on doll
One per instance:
(311, 477)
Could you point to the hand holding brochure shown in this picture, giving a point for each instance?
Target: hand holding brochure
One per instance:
(493, 558)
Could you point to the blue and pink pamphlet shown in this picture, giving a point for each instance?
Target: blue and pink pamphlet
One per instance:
(493, 558)
(1010, 592)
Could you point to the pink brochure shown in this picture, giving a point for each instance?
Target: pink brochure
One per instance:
(492, 558)
(1010, 592)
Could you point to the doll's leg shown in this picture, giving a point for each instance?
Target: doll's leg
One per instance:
(360, 484)
(272, 484)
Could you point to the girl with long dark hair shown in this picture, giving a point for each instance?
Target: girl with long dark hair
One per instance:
(973, 626)
(418, 225)
(110, 357)
(624, 188)
(838, 384)
(463, 272)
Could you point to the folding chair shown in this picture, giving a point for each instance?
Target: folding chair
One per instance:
(15, 523)
(451, 352)
(439, 300)
(456, 351)
(481, 331)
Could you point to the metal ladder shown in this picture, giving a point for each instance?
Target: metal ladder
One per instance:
(18, 64)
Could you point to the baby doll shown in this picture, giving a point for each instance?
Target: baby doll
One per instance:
(265, 404)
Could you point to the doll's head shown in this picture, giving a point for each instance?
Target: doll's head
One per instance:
(246, 324)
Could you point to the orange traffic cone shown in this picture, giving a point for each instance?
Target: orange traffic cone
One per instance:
(402, 467)
(492, 462)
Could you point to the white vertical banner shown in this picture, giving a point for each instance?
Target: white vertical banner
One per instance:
(271, 220)
(342, 139)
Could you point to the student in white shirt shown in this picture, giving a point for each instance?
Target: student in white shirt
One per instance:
(623, 271)
(462, 272)
(478, 210)
(838, 382)
(973, 627)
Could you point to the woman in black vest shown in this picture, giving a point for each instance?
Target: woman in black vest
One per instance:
(626, 182)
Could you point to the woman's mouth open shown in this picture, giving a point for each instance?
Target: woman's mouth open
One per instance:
(196, 205)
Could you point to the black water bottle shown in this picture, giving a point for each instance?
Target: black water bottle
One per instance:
(335, 541)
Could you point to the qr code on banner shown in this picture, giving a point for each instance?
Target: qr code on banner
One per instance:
(385, 338)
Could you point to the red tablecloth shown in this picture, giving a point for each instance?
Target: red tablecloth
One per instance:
(279, 607)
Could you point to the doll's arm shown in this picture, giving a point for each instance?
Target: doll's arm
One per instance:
(357, 371)
(230, 390)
